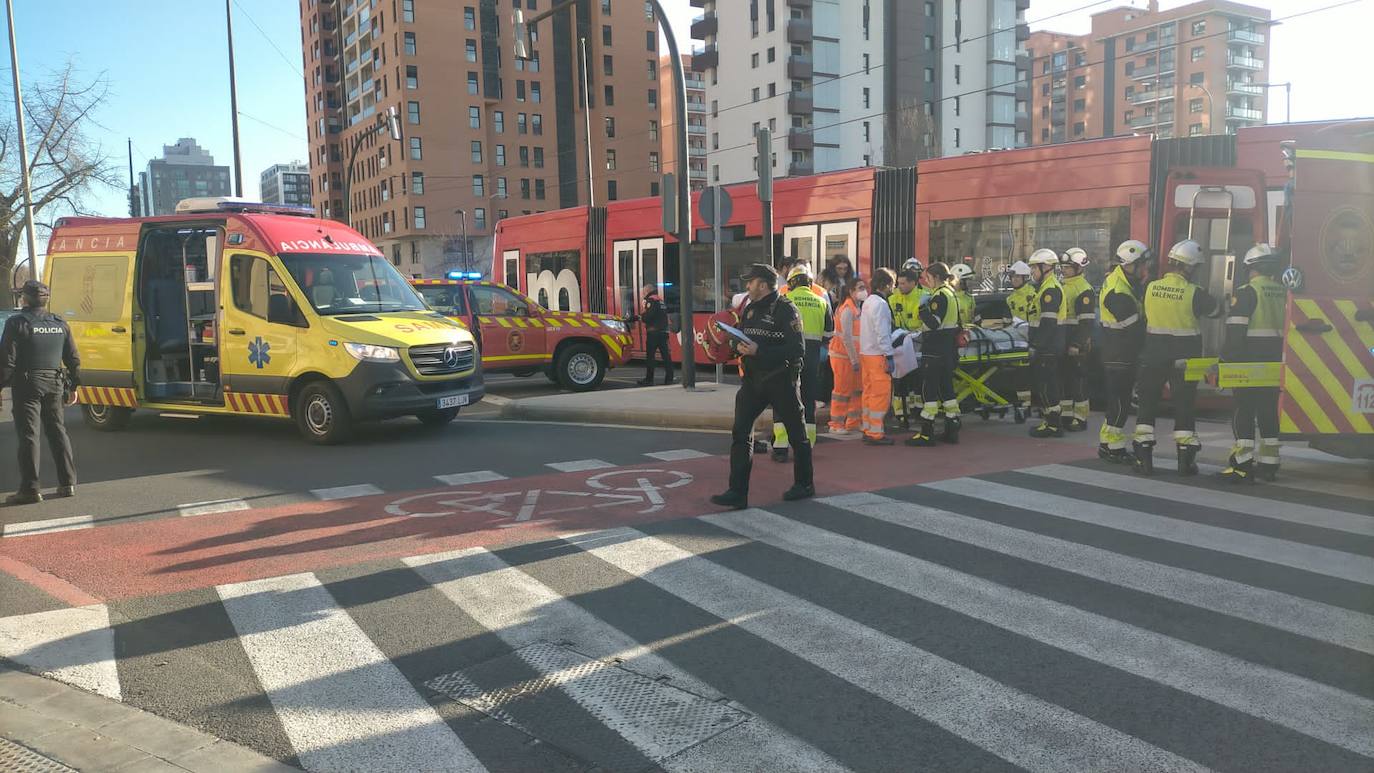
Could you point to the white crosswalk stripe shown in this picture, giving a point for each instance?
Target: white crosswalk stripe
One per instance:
(615, 642)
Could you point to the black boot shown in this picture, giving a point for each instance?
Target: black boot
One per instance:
(1187, 459)
(1144, 457)
(779, 454)
(24, 498)
(1267, 472)
(925, 437)
(732, 499)
(1113, 455)
(1049, 427)
(63, 492)
(1239, 472)
(647, 380)
(799, 491)
(952, 425)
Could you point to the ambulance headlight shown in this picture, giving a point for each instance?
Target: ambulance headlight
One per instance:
(370, 353)
(614, 324)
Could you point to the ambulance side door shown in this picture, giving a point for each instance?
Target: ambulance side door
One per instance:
(93, 295)
(261, 325)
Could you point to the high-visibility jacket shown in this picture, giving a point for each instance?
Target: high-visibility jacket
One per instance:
(814, 311)
(943, 312)
(845, 344)
(1078, 310)
(1173, 306)
(906, 308)
(966, 307)
(1255, 323)
(1123, 328)
(1044, 316)
(1020, 300)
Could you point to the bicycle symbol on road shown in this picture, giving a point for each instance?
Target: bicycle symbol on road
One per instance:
(642, 489)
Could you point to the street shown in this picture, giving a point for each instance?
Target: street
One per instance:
(520, 596)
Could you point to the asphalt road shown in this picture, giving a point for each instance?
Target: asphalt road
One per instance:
(511, 596)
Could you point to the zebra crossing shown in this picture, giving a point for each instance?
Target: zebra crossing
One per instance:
(1054, 618)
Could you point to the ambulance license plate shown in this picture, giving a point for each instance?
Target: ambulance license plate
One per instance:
(454, 401)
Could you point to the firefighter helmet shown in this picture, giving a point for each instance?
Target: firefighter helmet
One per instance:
(913, 264)
(1132, 250)
(1260, 253)
(961, 271)
(1187, 252)
(1076, 256)
(1020, 268)
(1043, 257)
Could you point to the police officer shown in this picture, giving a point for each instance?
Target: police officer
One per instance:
(1173, 306)
(817, 322)
(655, 320)
(1123, 334)
(1254, 333)
(906, 302)
(771, 365)
(1046, 341)
(1077, 315)
(34, 348)
(939, 356)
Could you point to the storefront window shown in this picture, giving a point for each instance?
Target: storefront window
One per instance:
(994, 243)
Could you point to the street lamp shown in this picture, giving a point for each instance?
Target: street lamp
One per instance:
(1211, 116)
(682, 180)
(1287, 97)
(385, 121)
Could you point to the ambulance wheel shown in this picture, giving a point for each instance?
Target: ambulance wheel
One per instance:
(106, 418)
(322, 415)
(437, 418)
(581, 368)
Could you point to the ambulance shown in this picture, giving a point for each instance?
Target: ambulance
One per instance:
(517, 335)
(231, 307)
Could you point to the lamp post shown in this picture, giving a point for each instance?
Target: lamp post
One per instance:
(1211, 113)
(23, 143)
(1287, 97)
(686, 280)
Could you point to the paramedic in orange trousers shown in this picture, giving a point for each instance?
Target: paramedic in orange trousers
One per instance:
(846, 400)
(771, 363)
(875, 350)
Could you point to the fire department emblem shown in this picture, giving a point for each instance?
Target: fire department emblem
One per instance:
(516, 341)
(1346, 244)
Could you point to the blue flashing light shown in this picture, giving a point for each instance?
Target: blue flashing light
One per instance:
(465, 275)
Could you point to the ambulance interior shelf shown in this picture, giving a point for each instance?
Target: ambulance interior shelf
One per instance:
(179, 297)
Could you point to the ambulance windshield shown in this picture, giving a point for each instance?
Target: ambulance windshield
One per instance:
(351, 284)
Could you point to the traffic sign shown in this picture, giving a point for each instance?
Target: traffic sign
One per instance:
(708, 205)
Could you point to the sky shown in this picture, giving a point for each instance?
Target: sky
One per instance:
(166, 64)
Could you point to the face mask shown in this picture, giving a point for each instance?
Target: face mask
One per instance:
(861, 296)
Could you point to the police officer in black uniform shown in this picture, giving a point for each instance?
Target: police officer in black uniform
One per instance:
(655, 320)
(34, 349)
(771, 365)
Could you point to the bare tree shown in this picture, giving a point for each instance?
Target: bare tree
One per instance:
(65, 163)
(914, 134)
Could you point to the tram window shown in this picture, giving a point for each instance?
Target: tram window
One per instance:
(554, 279)
(996, 242)
(735, 257)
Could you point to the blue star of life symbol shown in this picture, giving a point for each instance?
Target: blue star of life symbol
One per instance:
(258, 352)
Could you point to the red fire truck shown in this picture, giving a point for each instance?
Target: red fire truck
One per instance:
(990, 209)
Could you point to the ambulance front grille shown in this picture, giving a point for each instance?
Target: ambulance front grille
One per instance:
(443, 359)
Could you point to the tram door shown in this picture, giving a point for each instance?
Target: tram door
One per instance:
(818, 244)
(638, 262)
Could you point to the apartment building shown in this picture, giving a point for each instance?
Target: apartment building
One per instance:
(483, 135)
(849, 83)
(1197, 69)
(696, 121)
(186, 170)
(285, 184)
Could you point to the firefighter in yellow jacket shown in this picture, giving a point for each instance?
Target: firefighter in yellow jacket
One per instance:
(1254, 333)
(813, 306)
(1078, 317)
(906, 302)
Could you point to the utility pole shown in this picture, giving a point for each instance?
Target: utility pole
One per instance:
(587, 113)
(133, 198)
(23, 144)
(233, 99)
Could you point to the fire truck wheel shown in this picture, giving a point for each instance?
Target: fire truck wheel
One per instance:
(437, 418)
(322, 414)
(581, 367)
(106, 418)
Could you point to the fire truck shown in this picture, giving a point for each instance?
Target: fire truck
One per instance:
(990, 209)
(517, 335)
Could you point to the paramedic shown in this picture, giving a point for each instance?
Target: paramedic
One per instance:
(875, 350)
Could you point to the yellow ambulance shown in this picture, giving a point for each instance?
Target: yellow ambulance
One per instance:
(233, 307)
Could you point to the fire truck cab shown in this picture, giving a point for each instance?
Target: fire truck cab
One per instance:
(516, 335)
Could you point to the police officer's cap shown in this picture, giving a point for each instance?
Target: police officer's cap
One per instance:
(760, 271)
(35, 289)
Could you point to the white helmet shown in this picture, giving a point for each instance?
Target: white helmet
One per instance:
(1020, 268)
(799, 270)
(961, 271)
(1043, 257)
(1260, 253)
(1131, 250)
(1187, 252)
(1077, 256)
(913, 264)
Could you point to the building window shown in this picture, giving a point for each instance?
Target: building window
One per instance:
(1197, 77)
(868, 64)
(1079, 105)
(536, 95)
(868, 97)
(610, 160)
(519, 91)
(539, 189)
(412, 77)
(605, 34)
(611, 190)
(472, 84)
(410, 43)
(1200, 27)
(407, 11)
(524, 187)
(610, 96)
(653, 162)
(754, 60)
(413, 112)
(930, 72)
(474, 118)
(772, 54)
(469, 19)
(648, 11)
(479, 218)
(524, 156)
(417, 183)
(610, 127)
(1195, 105)
(608, 65)
(537, 124)
(606, 7)
(476, 151)
(715, 140)
(498, 121)
(1080, 59)
(715, 173)
(1195, 130)
(416, 151)
(470, 50)
(1198, 53)
(521, 124)
(957, 138)
(772, 90)
(419, 218)
(868, 132)
(501, 189)
(1080, 81)
(756, 93)
(653, 130)
(500, 155)
(479, 186)
(1044, 135)
(958, 74)
(930, 9)
(1078, 129)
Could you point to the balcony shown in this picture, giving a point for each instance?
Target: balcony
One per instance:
(1144, 72)
(696, 151)
(1244, 113)
(800, 139)
(696, 107)
(705, 58)
(1248, 89)
(696, 174)
(1244, 63)
(1245, 36)
(1154, 95)
(798, 30)
(697, 3)
(1157, 119)
(705, 26)
(801, 168)
(695, 129)
(799, 67)
(1022, 32)
(799, 3)
(799, 103)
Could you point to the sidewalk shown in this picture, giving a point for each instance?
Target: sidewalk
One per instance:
(48, 726)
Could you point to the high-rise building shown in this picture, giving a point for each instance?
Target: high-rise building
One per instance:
(696, 122)
(483, 134)
(1195, 69)
(286, 184)
(848, 83)
(185, 170)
